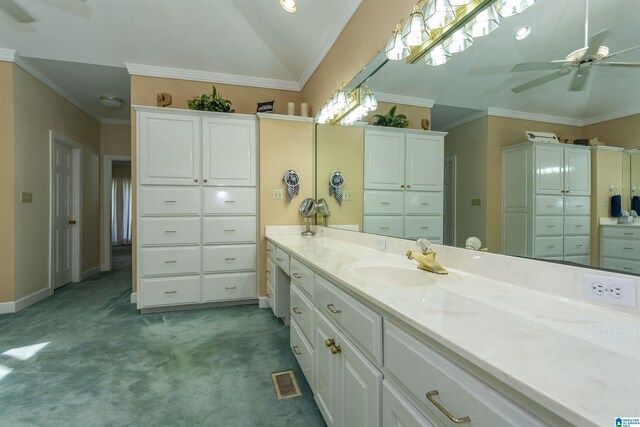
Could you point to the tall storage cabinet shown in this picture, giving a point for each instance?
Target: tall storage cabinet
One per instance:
(546, 200)
(403, 183)
(196, 207)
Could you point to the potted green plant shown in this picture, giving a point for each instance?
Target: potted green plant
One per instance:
(391, 119)
(213, 102)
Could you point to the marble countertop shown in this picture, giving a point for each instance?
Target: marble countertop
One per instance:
(580, 361)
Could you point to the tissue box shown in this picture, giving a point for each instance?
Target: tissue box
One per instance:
(625, 220)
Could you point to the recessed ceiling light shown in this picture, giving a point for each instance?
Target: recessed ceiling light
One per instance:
(523, 33)
(288, 5)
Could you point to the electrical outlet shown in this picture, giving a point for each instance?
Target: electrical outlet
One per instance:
(347, 196)
(609, 290)
(278, 194)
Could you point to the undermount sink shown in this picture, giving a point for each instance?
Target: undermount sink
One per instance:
(395, 272)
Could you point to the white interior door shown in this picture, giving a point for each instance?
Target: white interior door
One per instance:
(449, 201)
(62, 214)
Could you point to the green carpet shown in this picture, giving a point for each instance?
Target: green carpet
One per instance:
(106, 364)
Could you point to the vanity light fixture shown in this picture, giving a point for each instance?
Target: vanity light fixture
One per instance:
(458, 41)
(437, 56)
(111, 102)
(456, 3)
(484, 23)
(438, 14)
(508, 8)
(289, 5)
(523, 33)
(396, 49)
(414, 32)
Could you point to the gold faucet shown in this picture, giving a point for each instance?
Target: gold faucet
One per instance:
(427, 258)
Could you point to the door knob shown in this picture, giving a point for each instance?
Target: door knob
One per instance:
(329, 342)
(72, 221)
(336, 349)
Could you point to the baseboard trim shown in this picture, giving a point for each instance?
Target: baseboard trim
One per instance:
(7, 307)
(263, 302)
(134, 297)
(90, 272)
(24, 302)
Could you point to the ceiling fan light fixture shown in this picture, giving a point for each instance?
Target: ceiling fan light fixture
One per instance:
(577, 55)
(111, 102)
(414, 32)
(437, 56)
(438, 14)
(484, 23)
(508, 8)
(458, 41)
(396, 49)
(289, 5)
(522, 33)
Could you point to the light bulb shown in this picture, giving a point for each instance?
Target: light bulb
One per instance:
(458, 41)
(437, 56)
(414, 32)
(484, 23)
(438, 14)
(396, 49)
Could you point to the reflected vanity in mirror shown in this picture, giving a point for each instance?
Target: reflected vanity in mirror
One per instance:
(479, 103)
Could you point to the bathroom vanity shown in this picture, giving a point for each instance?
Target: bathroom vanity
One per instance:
(499, 341)
(620, 246)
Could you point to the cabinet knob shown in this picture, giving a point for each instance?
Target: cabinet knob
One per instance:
(296, 310)
(195, 180)
(72, 221)
(408, 186)
(205, 180)
(336, 349)
(402, 186)
(329, 342)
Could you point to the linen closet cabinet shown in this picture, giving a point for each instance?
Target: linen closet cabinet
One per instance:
(196, 207)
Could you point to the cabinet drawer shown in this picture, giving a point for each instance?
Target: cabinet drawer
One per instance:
(577, 245)
(228, 258)
(170, 291)
(230, 286)
(383, 202)
(548, 246)
(361, 323)
(301, 310)
(574, 205)
(282, 259)
(422, 370)
(229, 201)
(622, 265)
(303, 352)
(169, 261)
(302, 276)
(229, 230)
(271, 251)
(416, 227)
(271, 271)
(549, 226)
(621, 248)
(583, 260)
(419, 203)
(169, 231)
(398, 411)
(549, 205)
(622, 231)
(170, 201)
(271, 297)
(392, 226)
(577, 225)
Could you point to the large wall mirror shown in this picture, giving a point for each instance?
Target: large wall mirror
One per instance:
(472, 99)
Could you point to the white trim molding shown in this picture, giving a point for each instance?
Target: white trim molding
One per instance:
(285, 117)
(105, 215)
(134, 298)
(612, 116)
(7, 55)
(404, 100)
(210, 77)
(522, 115)
(24, 302)
(263, 302)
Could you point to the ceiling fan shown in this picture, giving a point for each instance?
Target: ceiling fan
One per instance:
(17, 12)
(578, 62)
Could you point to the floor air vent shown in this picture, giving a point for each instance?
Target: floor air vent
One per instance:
(285, 384)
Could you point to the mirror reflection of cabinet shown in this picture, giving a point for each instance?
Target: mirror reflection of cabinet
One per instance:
(546, 201)
(403, 183)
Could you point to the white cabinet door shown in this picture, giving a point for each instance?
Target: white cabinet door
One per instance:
(383, 160)
(548, 169)
(229, 151)
(424, 162)
(169, 149)
(577, 171)
(326, 366)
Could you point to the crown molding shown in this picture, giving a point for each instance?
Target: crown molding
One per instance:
(545, 118)
(8, 55)
(404, 100)
(122, 122)
(209, 77)
(611, 116)
(285, 117)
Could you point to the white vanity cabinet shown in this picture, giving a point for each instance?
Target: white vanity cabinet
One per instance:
(546, 201)
(196, 207)
(403, 183)
(620, 248)
(277, 283)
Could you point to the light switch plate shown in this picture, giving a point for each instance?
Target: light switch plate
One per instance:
(609, 290)
(278, 194)
(347, 196)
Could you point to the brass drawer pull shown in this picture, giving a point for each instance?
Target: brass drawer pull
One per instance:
(578, 206)
(170, 261)
(329, 342)
(268, 295)
(425, 203)
(424, 228)
(268, 271)
(230, 231)
(279, 259)
(170, 292)
(627, 268)
(297, 276)
(295, 350)
(628, 249)
(551, 246)
(550, 226)
(579, 246)
(384, 203)
(229, 201)
(169, 231)
(432, 398)
(296, 310)
(384, 228)
(229, 287)
(229, 259)
(628, 234)
(169, 201)
(336, 349)
(268, 250)
(578, 225)
(331, 309)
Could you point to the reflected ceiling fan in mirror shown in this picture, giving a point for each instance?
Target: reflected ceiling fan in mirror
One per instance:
(578, 63)
(19, 14)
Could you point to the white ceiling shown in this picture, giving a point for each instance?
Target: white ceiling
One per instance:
(253, 39)
(480, 77)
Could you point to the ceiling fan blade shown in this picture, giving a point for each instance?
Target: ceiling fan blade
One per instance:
(18, 13)
(537, 66)
(540, 81)
(611, 55)
(579, 80)
(595, 41)
(621, 64)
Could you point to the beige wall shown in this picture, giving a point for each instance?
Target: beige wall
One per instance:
(341, 148)
(468, 143)
(115, 140)
(283, 145)
(7, 187)
(37, 111)
(363, 36)
(623, 132)
(414, 114)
